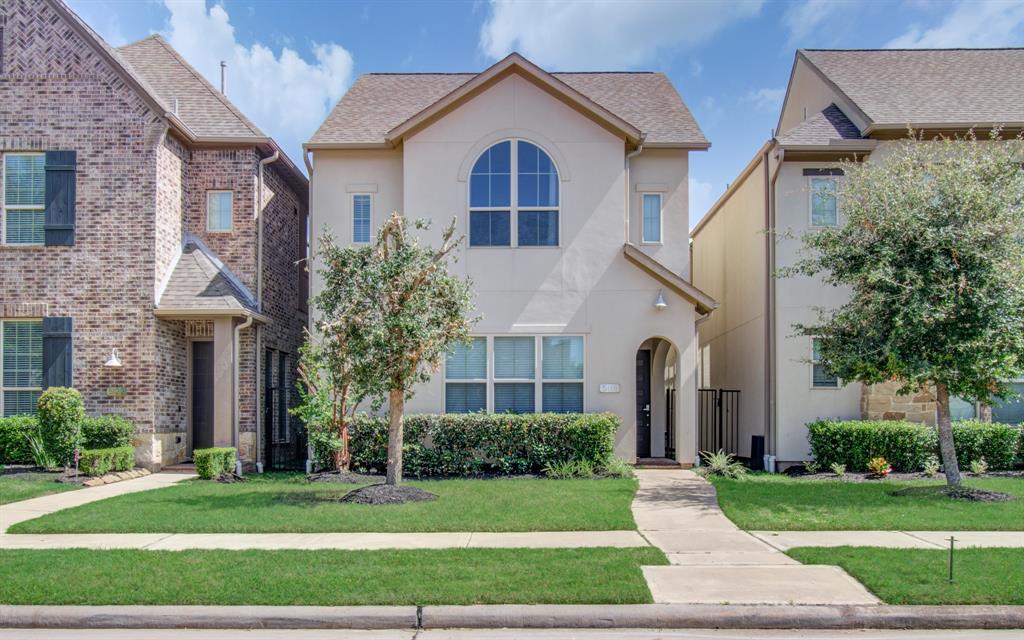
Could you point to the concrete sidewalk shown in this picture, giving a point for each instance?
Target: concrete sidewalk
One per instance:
(16, 512)
(714, 562)
(785, 540)
(341, 541)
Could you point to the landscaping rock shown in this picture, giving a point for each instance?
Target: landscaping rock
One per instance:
(93, 482)
(347, 477)
(387, 494)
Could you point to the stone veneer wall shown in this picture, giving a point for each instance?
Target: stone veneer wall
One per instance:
(882, 402)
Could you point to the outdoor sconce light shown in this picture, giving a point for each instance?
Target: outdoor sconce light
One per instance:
(660, 303)
(114, 361)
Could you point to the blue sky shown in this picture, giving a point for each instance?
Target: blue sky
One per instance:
(289, 62)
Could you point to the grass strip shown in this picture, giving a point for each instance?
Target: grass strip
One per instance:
(391, 577)
(920, 576)
(15, 487)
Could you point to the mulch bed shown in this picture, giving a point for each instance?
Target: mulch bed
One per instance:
(230, 478)
(863, 476)
(388, 494)
(968, 494)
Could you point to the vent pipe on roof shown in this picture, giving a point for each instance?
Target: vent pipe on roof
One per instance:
(175, 106)
(223, 66)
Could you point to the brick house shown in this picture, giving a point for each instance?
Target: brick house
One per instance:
(135, 264)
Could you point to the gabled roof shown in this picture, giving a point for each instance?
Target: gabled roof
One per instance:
(201, 283)
(702, 302)
(927, 88)
(379, 109)
(826, 127)
(205, 110)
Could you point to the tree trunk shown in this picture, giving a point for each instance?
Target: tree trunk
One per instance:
(946, 448)
(396, 407)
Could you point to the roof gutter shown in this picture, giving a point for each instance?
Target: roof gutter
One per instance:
(770, 430)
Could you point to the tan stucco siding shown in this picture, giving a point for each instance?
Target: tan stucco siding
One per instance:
(809, 94)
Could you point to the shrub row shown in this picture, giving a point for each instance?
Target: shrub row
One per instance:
(214, 462)
(907, 446)
(469, 444)
(96, 462)
(14, 433)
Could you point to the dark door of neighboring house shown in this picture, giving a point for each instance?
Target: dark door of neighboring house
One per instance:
(643, 403)
(202, 395)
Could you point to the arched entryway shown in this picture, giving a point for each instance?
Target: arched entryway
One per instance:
(657, 371)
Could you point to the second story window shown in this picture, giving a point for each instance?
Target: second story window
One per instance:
(821, 378)
(24, 198)
(362, 214)
(824, 212)
(514, 178)
(218, 210)
(652, 218)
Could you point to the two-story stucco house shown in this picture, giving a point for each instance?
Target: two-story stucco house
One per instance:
(571, 190)
(840, 105)
(148, 239)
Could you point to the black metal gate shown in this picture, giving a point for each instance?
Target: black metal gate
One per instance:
(718, 424)
(284, 437)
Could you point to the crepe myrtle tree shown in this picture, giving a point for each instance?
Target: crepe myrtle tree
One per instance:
(411, 311)
(932, 253)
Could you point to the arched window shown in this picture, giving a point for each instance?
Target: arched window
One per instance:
(513, 178)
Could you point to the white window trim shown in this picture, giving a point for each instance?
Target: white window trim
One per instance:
(814, 387)
(513, 209)
(810, 202)
(352, 215)
(231, 218)
(538, 370)
(661, 218)
(2, 387)
(3, 204)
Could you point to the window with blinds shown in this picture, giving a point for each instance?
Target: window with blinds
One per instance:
(218, 210)
(24, 198)
(563, 374)
(361, 218)
(652, 218)
(21, 358)
(514, 359)
(821, 378)
(466, 377)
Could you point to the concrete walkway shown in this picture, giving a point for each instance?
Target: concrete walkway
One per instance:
(15, 512)
(785, 540)
(713, 561)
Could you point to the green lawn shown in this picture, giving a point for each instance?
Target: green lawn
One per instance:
(919, 576)
(778, 502)
(450, 576)
(22, 486)
(287, 503)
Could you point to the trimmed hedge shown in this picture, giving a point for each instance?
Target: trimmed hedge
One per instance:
(107, 432)
(469, 444)
(61, 412)
(213, 462)
(96, 462)
(14, 432)
(908, 445)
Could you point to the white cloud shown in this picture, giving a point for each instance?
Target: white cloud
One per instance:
(980, 23)
(286, 96)
(766, 99)
(805, 18)
(701, 199)
(604, 35)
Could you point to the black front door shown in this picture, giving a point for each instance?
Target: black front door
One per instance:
(643, 403)
(202, 395)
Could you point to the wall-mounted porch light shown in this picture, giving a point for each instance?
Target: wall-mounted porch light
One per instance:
(114, 361)
(659, 302)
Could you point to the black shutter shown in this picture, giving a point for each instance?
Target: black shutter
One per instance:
(56, 352)
(60, 198)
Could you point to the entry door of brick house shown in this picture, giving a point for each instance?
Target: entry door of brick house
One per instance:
(202, 394)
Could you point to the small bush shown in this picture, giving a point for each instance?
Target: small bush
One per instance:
(932, 466)
(96, 462)
(879, 466)
(979, 467)
(618, 468)
(14, 434)
(721, 464)
(214, 462)
(107, 432)
(838, 469)
(60, 421)
(811, 466)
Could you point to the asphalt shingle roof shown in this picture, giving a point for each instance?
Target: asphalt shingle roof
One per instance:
(200, 281)
(929, 86)
(821, 128)
(377, 103)
(202, 108)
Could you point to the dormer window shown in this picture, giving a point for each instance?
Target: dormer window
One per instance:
(514, 178)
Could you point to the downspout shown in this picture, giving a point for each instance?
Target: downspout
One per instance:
(234, 388)
(771, 428)
(639, 149)
(258, 216)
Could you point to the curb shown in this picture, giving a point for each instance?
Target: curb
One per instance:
(650, 616)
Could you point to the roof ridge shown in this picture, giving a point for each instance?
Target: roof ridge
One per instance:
(476, 73)
(920, 49)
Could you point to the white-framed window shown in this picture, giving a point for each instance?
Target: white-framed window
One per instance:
(652, 218)
(23, 215)
(823, 202)
(821, 378)
(362, 217)
(218, 210)
(21, 366)
(1011, 410)
(516, 374)
(514, 179)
